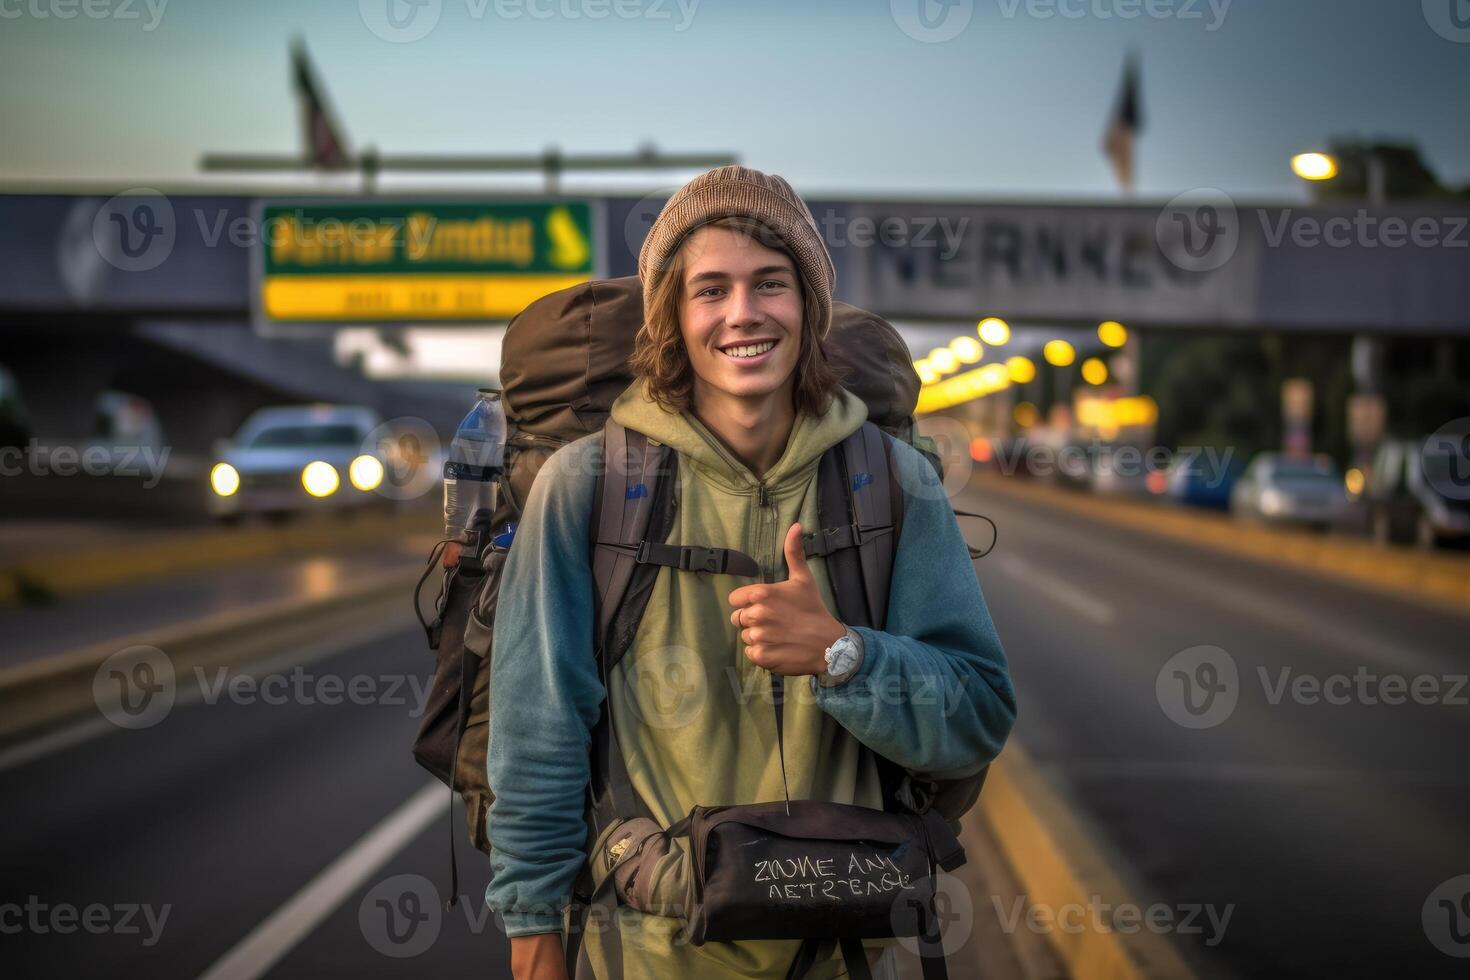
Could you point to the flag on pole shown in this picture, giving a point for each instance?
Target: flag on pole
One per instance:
(325, 147)
(1124, 126)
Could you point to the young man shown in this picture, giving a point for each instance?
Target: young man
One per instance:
(732, 376)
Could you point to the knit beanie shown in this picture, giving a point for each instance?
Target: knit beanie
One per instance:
(740, 191)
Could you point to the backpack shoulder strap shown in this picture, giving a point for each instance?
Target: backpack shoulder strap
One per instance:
(860, 506)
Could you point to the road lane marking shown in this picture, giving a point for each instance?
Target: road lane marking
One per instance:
(254, 955)
(1057, 589)
(1249, 601)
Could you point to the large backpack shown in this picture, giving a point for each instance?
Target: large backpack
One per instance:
(564, 363)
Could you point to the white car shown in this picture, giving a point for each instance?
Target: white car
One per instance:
(297, 458)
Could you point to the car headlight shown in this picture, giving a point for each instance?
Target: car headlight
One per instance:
(1272, 501)
(224, 479)
(366, 472)
(320, 479)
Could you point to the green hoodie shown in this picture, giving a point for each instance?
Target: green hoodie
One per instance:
(694, 718)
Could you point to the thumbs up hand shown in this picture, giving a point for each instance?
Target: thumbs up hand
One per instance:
(785, 626)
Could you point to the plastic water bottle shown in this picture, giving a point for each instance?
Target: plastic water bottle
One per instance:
(476, 456)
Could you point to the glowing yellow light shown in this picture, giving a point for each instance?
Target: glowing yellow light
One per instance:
(1026, 415)
(1021, 370)
(927, 374)
(994, 331)
(967, 349)
(1112, 333)
(1353, 481)
(942, 359)
(1058, 353)
(224, 479)
(1094, 371)
(320, 479)
(1314, 166)
(366, 472)
(962, 388)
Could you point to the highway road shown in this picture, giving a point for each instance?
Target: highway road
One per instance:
(1305, 804)
(247, 835)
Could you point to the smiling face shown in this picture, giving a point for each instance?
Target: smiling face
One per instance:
(740, 315)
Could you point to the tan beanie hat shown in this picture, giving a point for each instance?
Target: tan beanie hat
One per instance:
(741, 191)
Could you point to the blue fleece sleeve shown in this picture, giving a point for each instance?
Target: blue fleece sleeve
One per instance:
(933, 692)
(544, 698)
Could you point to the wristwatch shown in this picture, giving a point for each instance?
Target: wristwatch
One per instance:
(844, 657)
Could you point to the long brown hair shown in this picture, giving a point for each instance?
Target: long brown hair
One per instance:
(660, 356)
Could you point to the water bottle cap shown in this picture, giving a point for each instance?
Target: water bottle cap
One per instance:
(490, 392)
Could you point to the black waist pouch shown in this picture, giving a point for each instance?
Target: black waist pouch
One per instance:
(811, 868)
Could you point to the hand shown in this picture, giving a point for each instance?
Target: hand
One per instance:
(785, 626)
(538, 957)
(451, 554)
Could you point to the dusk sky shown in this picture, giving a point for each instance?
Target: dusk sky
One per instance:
(833, 94)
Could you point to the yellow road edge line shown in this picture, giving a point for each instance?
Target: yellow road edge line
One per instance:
(1059, 864)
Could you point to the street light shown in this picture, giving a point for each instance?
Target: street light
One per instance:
(1314, 166)
(994, 331)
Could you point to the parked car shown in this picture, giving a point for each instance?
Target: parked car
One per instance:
(1405, 497)
(289, 459)
(1291, 489)
(1200, 479)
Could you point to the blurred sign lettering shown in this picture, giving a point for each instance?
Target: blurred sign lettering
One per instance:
(363, 261)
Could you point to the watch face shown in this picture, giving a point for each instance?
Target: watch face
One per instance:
(842, 658)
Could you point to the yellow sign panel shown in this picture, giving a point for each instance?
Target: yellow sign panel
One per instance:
(351, 298)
